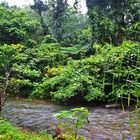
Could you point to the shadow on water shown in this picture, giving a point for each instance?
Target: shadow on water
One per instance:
(106, 124)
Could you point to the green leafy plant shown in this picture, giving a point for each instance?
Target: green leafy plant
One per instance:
(74, 119)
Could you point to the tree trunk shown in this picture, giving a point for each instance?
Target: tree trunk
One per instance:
(90, 7)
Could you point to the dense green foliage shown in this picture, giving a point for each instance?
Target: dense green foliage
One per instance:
(114, 21)
(16, 26)
(51, 51)
(102, 77)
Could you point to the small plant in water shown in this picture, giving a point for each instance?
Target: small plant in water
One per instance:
(71, 120)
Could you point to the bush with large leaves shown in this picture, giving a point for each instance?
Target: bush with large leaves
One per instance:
(10, 57)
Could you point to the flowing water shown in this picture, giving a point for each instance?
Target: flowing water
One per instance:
(106, 124)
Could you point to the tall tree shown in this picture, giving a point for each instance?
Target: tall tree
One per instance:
(39, 7)
(59, 15)
(90, 7)
(111, 19)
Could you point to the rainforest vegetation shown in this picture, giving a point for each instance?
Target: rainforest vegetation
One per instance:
(54, 51)
(51, 50)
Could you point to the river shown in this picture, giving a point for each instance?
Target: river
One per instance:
(106, 124)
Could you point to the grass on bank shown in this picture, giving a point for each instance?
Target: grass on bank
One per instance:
(9, 132)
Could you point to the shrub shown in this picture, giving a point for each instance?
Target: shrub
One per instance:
(102, 77)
